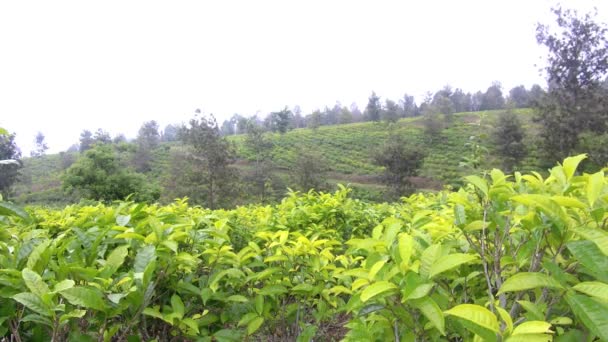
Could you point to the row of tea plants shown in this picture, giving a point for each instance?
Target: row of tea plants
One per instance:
(506, 258)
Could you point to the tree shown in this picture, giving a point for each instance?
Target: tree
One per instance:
(390, 113)
(400, 161)
(373, 109)
(356, 112)
(170, 133)
(148, 134)
(281, 120)
(260, 149)
(314, 119)
(102, 137)
(9, 169)
(86, 140)
(519, 97)
(99, 175)
(41, 146)
(148, 138)
(576, 66)
(509, 136)
(408, 106)
(309, 171)
(460, 101)
(433, 123)
(228, 127)
(492, 98)
(346, 116)
(213, 156)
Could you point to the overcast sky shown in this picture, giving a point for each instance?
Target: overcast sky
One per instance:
(66, 66)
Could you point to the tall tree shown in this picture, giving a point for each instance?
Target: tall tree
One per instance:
(400, 161)
(213, 155)
(577, 64)
(519, 97)
(493, 98)
(281, 120)
(309, 171)
(373, 109)
(170, 133)
(86, 140)
(148, 139)
(260, 148)
(390, 113)
(40, 146)
(408, 106)
(509, 136)
(9, 170)
(102, 137)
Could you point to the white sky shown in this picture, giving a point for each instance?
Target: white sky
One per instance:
(66, 66)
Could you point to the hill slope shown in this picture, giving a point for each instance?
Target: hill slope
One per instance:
(348, 149)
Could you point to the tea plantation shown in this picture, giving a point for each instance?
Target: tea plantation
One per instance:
(506, 258)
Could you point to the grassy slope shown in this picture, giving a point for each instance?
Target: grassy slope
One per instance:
(348, 149)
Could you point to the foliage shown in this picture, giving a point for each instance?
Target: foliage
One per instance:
(400, 162)
(41, 146)
(99, 175)
(577, 64)
(506, 258)
(261, 149)
(373, 110)
(148, 138)
(309, 171)
(211, 155)
(9, 169)
(509, 139)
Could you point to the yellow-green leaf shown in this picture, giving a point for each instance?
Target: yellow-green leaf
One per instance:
(595, 185)
(34, 282)
(448, 262)
(431, 311)
(376, 289)
(593, 289)
(482, 321)
(405, 245)
(528, 280)
(571, 163)
(533, 327)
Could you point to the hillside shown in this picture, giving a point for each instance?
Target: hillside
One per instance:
(348, 150)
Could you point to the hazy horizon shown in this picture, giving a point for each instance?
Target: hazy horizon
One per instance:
(71, 65)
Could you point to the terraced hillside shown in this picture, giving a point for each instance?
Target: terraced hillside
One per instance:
(348, 150)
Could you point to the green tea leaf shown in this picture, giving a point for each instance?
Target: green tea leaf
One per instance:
(597, 236)
(594, 289)
(528, 280)
(448, 262)
(592, 313)
(254, 325)
(571, 164)
(34, 303)
(144, 256)
(431, 311)
(376, 289)
(34, 282)
(595, 185)
(86, 297)
(481, 320)
(533, 327)
(178, 306)
(590, 256)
